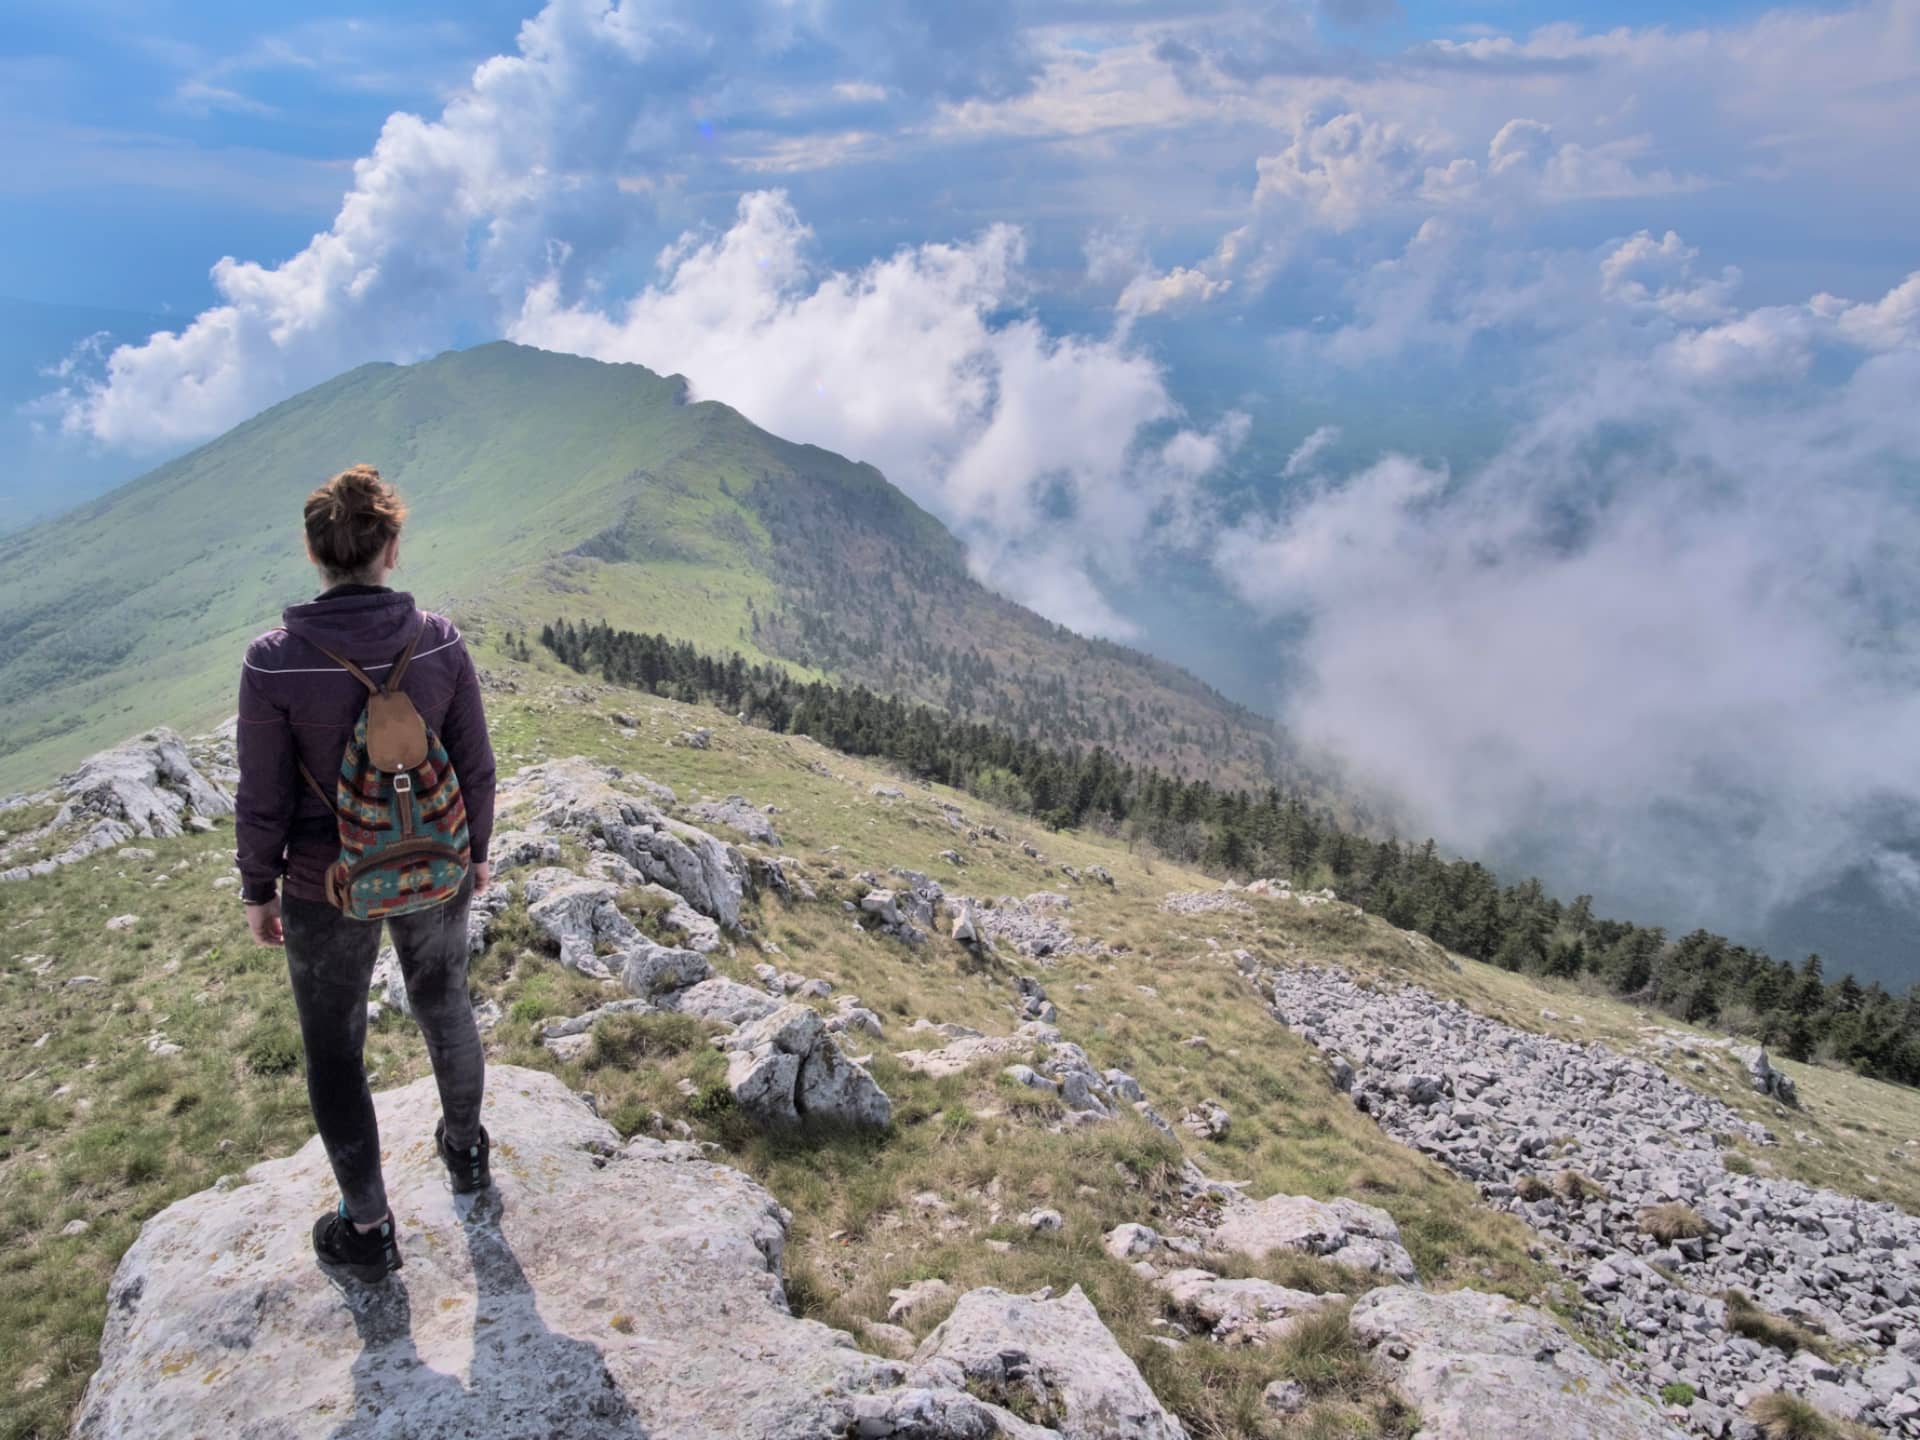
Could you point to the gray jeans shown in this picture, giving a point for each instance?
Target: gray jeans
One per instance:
(330, 959)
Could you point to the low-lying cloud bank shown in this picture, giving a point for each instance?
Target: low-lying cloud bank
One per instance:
(1666, 638)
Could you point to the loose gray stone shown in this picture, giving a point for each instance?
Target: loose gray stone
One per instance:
(785, 1068)
(1361, 1237)
(737, 813)
(1284, 1397)
(1130, 1241)
(651, 971)
(1579, 1141)
(1048, 1356)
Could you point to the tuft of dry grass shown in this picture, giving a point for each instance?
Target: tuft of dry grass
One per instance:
(1577, 1189)
(1672, 1221)
(625, 1040)
(1216, 1390)
(1781, 1416)
(1744, 1317)
(1532, 1189)
(1321, 1352)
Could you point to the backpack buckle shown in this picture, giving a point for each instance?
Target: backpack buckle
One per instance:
(403, 783)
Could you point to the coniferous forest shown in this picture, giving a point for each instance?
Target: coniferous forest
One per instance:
(1700, 977)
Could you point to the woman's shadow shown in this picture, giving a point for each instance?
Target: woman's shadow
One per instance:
(526, 1381)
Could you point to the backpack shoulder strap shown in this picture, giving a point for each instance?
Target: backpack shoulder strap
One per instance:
(406, 659)
(393, 679)
(351, 668)
(325, 799)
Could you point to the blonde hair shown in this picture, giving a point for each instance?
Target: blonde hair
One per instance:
(351, 519)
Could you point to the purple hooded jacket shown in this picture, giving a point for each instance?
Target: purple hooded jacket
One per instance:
(297, 705)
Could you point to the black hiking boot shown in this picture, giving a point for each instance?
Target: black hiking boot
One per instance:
(470, 1171)
(367, 1256)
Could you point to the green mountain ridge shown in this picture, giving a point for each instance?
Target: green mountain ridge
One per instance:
(546, 485)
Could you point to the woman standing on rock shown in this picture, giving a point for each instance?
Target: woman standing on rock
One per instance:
(366, 797)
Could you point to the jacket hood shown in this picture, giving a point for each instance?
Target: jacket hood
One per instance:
(367, 626)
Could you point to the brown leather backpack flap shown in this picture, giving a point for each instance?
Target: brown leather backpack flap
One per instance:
(396, 735)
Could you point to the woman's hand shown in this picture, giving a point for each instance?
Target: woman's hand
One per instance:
(264, 922)
(482, 876)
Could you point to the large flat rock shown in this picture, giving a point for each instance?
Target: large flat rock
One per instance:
(1360, 1237)
(1050, 1356)
(600, 1292)
(1480, 1367)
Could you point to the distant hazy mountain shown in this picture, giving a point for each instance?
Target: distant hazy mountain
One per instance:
(545, 485)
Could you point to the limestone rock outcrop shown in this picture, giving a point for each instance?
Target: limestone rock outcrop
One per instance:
(736, 812)
(1346, 1232)
(149, 787)
(1035, 926)
(516, 849)
(1048, 1357)
(1251, 1310)
(600, 1292)
(579, 915)
(966, 1048)
(1480, 1367)
(1765, 1079)
(1061, 1069)
(786, 1068)
(577, 796)
(653, 971)
(724, 1000)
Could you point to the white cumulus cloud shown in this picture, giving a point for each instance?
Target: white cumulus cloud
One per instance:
(1181, 286)
(1890, 323)
(1644, 271)
(1046, 451)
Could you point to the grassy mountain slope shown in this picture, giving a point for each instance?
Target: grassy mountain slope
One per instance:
(544, 485)
(94, 1126)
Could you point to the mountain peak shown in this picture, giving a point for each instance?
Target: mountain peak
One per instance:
(545, 484)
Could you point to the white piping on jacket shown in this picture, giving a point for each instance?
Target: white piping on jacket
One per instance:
(336, 670)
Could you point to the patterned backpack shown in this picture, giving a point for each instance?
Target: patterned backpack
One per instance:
(403, 824)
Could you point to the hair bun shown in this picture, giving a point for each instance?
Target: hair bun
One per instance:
(351, 519)
(359, 487)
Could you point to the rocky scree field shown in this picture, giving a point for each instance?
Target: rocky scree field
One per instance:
(1065, 1175)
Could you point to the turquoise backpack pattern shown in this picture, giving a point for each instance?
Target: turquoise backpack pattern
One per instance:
(403, 824)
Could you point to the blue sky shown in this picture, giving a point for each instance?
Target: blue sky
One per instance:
(1516, 397)
(226, 128)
